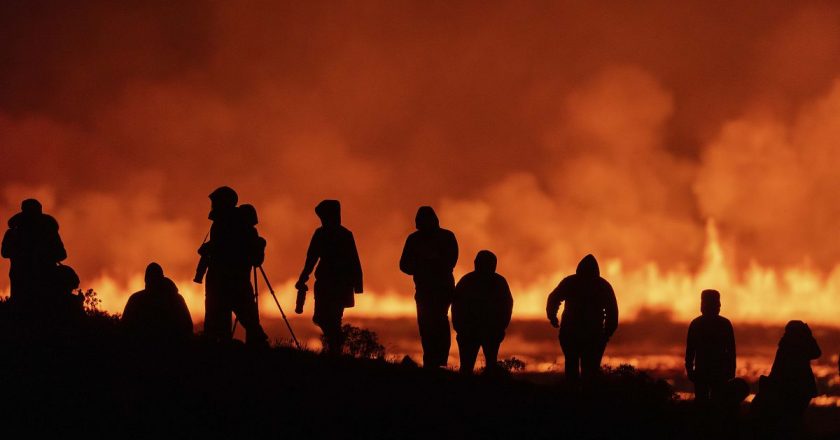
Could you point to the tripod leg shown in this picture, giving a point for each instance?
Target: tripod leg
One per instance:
(283, 314)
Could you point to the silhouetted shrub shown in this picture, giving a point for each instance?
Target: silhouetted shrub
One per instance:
(628, 383)
(512, 365)
(360, 343)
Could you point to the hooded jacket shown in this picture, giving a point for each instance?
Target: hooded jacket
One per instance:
(591, 309)
(333, 248)
(430, 255)
(482, 305)
(157, 314)
(792, 366)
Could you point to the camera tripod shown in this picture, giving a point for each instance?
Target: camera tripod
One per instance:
(273, 295)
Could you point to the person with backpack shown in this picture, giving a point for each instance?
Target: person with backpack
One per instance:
(233, 250)
(33, 245)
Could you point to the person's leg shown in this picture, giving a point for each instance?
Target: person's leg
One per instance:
(433, 323)
(468, 352)
(572, 355)
(245, 307)
(590, 359)
(702, 391)
(442, 333)
(217, 312)
(327, 316)
(490, 347)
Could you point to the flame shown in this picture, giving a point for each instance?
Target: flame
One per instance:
(756, 295)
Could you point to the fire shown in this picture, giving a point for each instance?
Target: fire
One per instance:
(757, 295)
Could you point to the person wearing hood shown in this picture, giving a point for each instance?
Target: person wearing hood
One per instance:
(338, 275)
(234, 248)
(785, 394)
(590, 317)
(33, 245)
(429, 256)
(157, 314)
(481, 311)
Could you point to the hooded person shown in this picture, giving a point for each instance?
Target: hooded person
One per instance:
(481, 311)
(429, 256)
(33, 245)
(710, 349)
(785, 394)
(157, 314)
(590, 317)
(338, 275)
(229, 256)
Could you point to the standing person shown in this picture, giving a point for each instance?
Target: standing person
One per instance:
(710, 349)
(590, 317)
(33, 245)
(785, 394)
(234, 248)
(429, 256)
(481, 311)
(337, 277)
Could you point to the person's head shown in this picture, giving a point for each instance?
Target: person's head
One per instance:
(66, 279)
(588, 267)
(426, 219)
(223, 197)
(485, 262)
(329, 211)
(710, 302)
(31, 207)
(154, 275)
(797, 329)
(249, 214)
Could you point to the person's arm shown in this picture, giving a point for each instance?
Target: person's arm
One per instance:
(690, 352)
(451, 251)
(610, 312)
(507, 297)
(313, 253)
(555, 298)
(730, 351)
(457, 299)
(358, 284)
(408, 261)
(8, 247)
(185, 324)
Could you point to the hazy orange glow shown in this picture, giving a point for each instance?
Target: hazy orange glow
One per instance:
(686, 147)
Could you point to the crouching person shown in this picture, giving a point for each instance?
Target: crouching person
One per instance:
(158, 314)
(481, 311)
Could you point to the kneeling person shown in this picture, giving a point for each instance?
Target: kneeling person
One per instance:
(481, 311)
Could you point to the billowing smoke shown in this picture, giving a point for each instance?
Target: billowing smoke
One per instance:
(542, 131)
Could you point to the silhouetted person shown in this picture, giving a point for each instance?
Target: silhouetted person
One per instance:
(234, 248)
(429, 255)
(157, 314)
(710, 349)
(785, 394)
(33, 245)
(590, 317)
(481, 311)
(337, 277)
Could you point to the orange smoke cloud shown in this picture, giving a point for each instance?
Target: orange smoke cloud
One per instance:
(540, 131)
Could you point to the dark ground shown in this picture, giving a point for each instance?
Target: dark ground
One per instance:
(86, 382)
